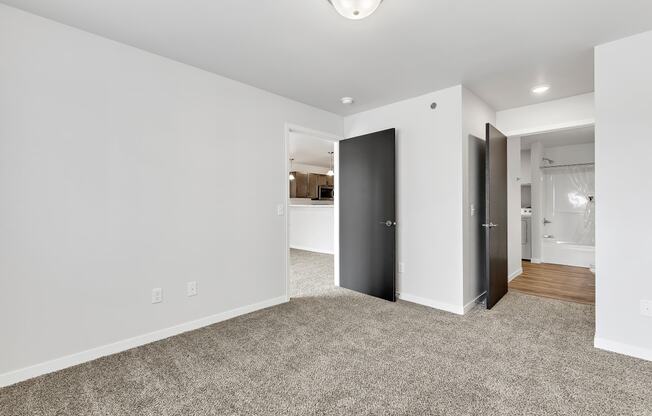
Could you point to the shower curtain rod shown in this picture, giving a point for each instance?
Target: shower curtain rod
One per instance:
(566, 166)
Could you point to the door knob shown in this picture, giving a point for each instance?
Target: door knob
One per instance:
(388, 223)
(490, 225)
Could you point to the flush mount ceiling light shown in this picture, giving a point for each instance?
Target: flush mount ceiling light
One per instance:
(355, 9)
(540, 89)
(291, 175)
(347, 100)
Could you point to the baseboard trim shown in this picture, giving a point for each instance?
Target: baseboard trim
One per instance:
(57, 364)
(458, 310)
(474, 302)
(535, 261)
(314, 250)
(515, 274)
(621, 348)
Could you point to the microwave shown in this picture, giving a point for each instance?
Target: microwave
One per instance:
(325, 192)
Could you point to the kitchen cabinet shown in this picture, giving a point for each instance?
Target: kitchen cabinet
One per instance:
(299, 186)
(306, 185)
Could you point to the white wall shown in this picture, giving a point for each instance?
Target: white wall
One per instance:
(574, 153)
(429, 193)
(526, 172)
(536, 221)
(312, 228)
(118, 172)
(475, 115)
(552, 115)
(623, 152)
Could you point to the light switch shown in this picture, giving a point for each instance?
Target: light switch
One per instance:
(157, 295)
(280, 209)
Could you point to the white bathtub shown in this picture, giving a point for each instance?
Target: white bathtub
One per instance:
(570, 254)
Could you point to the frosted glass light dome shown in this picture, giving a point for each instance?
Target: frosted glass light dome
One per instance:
(355, 9)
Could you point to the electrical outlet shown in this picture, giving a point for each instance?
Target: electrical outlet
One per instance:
(191, 289)
(280, 209)
(646, 308)
(157, 295)
(401, 267)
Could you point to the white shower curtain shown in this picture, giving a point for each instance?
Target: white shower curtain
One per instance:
(570, 204)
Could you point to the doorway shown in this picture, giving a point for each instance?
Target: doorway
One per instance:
(311, 205)
(341, 216)
(557, 214)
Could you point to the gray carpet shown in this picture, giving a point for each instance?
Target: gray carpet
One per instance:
(332, 351)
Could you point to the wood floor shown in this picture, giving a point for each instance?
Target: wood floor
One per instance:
(574, 284)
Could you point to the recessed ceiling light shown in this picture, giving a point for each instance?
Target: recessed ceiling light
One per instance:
(355, 9)
(347, 100)
(540, 89)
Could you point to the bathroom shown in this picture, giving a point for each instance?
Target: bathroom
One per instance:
(558, 197)
(554, 183)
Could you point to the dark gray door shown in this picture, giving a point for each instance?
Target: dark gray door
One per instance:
(368, 214)
(496, 215)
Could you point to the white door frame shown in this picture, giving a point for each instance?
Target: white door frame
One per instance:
(571, 125)
(293, 128)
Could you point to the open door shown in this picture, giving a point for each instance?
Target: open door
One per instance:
(495, 215)
(368, 213)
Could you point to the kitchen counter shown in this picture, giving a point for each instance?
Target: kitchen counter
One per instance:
(312, 205)
(312, 227)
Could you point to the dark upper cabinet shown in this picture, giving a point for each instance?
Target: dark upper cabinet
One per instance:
(306, 185)
(293, 186)
(299, 186)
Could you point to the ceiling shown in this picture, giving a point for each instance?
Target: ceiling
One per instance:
(304, 50)
(580, 135)
(310, 150)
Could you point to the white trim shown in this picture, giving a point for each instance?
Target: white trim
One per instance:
(625, 349)
(286, 204)
(515, 274)
(336, 214)
(57, 364)
(293, 128)
(314, 250)
(472, 303)
(551, 127)
(535, 261)
(458, 310)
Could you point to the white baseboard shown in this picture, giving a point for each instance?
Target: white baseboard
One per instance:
(314, 250)
(57, 364)
(472, 303)
(515, 275)
(459, 310)
(535, 261)
(625, 349)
